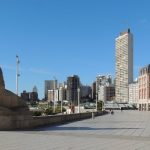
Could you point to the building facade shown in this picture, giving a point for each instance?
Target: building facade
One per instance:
(124, 66)
(86, 92)
(102, 82)
(34, 97)
(94, 90)
(25, 96)
(134, 93)
(144, 89)
(50, 96)
(62, 93)
(73, 83)
(110, 93)
(49, 85)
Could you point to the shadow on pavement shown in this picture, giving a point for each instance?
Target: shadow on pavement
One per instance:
(58, 128)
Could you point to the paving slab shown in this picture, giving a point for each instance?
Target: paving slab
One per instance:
(126, 130)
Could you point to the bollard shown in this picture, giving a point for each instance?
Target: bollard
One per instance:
(93, 115)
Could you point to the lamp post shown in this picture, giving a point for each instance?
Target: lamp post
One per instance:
(61, 106)
(61, 90)
(96, 100)
(17, 74)
(53, 100)
(78, 100)
(54, 92)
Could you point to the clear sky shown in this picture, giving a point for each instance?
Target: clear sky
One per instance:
(65, 37)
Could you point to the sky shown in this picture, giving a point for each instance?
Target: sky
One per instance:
(60, 38)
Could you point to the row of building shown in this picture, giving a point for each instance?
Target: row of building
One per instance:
(67, 91)
(129, 91)
(121, 90)
(31, 97)
(102, 89)
(139, 91)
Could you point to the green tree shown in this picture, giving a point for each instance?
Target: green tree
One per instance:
(100, 105)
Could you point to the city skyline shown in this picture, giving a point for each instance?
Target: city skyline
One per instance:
(65, 38)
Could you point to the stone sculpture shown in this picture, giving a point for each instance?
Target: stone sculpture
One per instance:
(13, 110)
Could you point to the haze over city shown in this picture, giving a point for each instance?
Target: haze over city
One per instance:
(62, 38)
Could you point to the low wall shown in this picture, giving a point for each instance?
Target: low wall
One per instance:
(28, 122)
(59, 119)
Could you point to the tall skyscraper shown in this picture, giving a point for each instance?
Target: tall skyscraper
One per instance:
(50, 85)
(73, 83)
(124, 65)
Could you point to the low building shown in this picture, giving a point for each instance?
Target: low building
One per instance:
(25, 96)
(34, 97)
(134, 93)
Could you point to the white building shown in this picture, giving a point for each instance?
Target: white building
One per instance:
(50, 95)
(102, 93)
(53, 95)
(124, 66)
(62, 93)
(103, 80)
(104, 87)
(134, 93)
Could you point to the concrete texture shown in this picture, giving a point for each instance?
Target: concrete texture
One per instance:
(13, 110)
(126, 130)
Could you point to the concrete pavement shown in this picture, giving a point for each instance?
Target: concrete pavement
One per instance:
(124, 130)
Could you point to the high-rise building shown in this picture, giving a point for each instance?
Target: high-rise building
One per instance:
(62, 93)
(86, 92)
(50, 85)
(50, 97)
(73, 83)
(94, 90)
(124, 66)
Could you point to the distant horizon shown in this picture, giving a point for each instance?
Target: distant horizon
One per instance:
(62, 38)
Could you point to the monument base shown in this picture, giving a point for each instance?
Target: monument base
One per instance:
(13, 120)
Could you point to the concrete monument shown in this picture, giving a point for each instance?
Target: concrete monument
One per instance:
(13, 110)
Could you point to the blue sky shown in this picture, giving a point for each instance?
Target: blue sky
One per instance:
(65, 37)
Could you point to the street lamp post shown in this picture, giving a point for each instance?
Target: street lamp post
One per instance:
(96, 100)
(61, 106)
(17, 74)
(54, 100)
(54, 93)
(78, 100)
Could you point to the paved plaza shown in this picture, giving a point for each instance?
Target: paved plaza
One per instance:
(126, 130)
